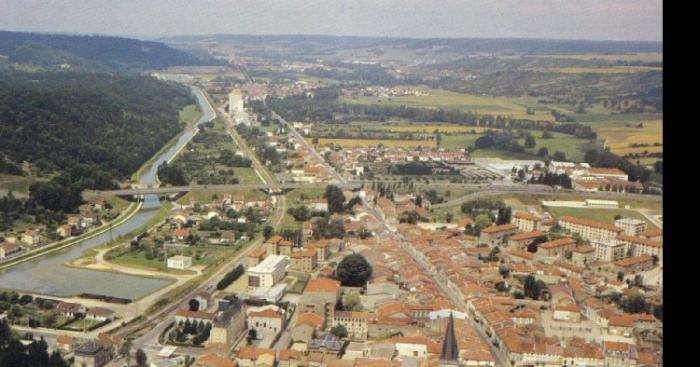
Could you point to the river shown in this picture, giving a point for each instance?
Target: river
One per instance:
(48, 275)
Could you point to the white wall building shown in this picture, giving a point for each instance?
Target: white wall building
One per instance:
(632, 227)
(235, 102)
(180, 262)
(268, 272)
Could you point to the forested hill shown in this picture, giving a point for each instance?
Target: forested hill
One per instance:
(92, 51)
(90, 129)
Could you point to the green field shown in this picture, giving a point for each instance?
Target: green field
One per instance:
(246, 175)
(599, 215)
(439, 98)
(573, 148)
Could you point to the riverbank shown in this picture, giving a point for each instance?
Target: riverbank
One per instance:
(190, 115)
(126, 215)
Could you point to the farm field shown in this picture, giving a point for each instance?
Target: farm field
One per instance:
(593, 70)
(641, 56)
(620, 131)
(438, 98)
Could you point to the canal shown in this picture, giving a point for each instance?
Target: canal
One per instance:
(48, 275)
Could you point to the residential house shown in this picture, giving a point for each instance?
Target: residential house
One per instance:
(8, 249)
(265, 322)
(306, 327)
(526, 222)
(91, 354)
(496, 234)
(556, 247)
(590, 230)
(64, 230)
(356, 323)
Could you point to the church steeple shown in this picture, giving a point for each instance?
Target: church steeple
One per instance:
(450, 350)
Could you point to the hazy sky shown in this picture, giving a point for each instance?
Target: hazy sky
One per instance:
(564, 19)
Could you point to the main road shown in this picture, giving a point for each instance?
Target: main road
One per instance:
(456, 299)
(148, 332)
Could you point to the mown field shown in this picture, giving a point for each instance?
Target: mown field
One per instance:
(599, 215)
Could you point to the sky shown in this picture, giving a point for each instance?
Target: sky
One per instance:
(557, 19)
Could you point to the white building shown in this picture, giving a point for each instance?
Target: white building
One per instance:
(268, 272)
(632, 227)
(180, 262)
(594, 203)
(609, 250)
(235, 102)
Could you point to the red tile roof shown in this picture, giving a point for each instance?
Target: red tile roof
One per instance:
(322, 285)
(500, 228)
(590, 223)
(557, 243)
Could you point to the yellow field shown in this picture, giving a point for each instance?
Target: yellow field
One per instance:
(620, 138)
(371, 143)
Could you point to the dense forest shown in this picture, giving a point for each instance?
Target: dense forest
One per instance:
(84, 130)
(324, 44)
(92, 51)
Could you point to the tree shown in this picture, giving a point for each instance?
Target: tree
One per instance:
(559, 156)
(335, 198)
(532, 247)
(352, 302)
(194, 304)
(267, 232)
(252, 334)
(141, 358)
(482, 221)
(530, 141)
(533, 287)
(125, 350)
(354, 271)
(504, 215)
(339, 331)
(543, 152)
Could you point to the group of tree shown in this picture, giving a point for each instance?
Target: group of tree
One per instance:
(482, 205)
(35, 354)
(324, 227)
(230, 277)
(411, 168)
(553, 179)
(171, 175)
(336, 200)
(533, 287)
(411, 217)
(532, 247)
(303, 213)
